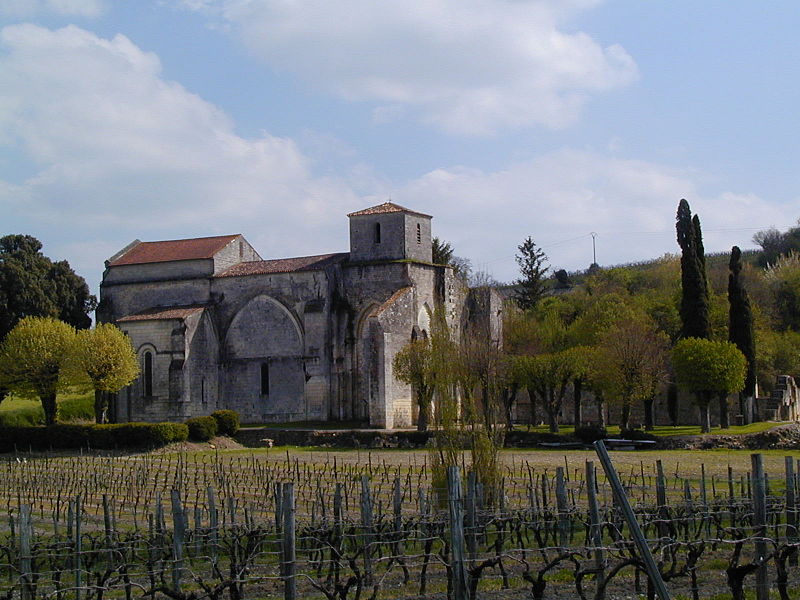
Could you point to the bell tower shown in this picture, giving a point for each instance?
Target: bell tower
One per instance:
(389, 231)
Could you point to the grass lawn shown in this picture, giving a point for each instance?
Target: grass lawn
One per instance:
(22, 412)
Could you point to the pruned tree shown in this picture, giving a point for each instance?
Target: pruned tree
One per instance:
(740, 330)
(632, 357)
(694, 309)
(107, 358)
(547, 376)
(413, 365)
(35, 361)
(533, 268)
(708, 368)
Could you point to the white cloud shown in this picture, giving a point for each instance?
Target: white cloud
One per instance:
(565, 195)
(67, 8)
(466, 66)
(119, 152)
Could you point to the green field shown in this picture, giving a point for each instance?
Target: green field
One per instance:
(23, 412)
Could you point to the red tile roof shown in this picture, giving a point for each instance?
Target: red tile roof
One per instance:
(386, 207)
(169, 250)
(162, 313)
(283, 265)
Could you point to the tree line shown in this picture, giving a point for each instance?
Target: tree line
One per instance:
(625, 336)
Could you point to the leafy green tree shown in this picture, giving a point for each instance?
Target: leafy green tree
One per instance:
(694, 309)
(107, 358)
(740, 324)
(413, 365)
(442, 251)
(708, 368)
(33, 285)
(35, 361)
(783, 280)
(533, 268)
(775, 244)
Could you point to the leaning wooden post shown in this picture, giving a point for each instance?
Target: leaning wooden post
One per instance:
(791, 508)
(595, 527)
(289, 551)
(760, 526)
(457, 550)
(178, 536)
(25, 529)
(633, 525)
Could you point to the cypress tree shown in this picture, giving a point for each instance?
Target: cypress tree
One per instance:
(694, 286)
(740, 324)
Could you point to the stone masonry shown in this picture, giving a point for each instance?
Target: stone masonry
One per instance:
(299, 339)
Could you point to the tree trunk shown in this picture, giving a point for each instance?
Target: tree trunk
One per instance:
(532, 398)
(724, 417)
(100, 406)
(672, 403)
(625, 417)
(50, 408)
(552, 419)
(705, 415)
(649, 422)
(577, 392)
(422, 418)
(509, 397)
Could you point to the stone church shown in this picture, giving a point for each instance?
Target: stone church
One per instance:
(294, 339)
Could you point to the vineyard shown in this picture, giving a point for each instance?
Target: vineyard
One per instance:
(233, 526)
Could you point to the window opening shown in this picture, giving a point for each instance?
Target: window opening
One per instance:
(419, 234)
(377, 233)
(265, 379)
(148, 373)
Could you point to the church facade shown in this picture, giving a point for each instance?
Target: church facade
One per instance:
(298, 339)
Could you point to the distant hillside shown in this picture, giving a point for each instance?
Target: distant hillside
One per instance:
(715, 262)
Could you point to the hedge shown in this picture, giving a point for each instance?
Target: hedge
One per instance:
(101, 437)
(227, 421)
(201, 429)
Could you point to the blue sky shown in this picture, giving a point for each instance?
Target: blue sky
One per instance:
(162, 119)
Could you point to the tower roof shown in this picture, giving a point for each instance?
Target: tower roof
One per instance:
(386, 207)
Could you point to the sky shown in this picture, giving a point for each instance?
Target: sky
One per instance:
(554, 119)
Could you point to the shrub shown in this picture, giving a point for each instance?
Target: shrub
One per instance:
(227, 421)
(590, 433)
(636, 434)
(202, 429)
(102, 437)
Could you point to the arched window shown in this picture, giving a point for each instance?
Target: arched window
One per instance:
(419, 234)
(147, 373)
(265, 379)
(377, 233)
